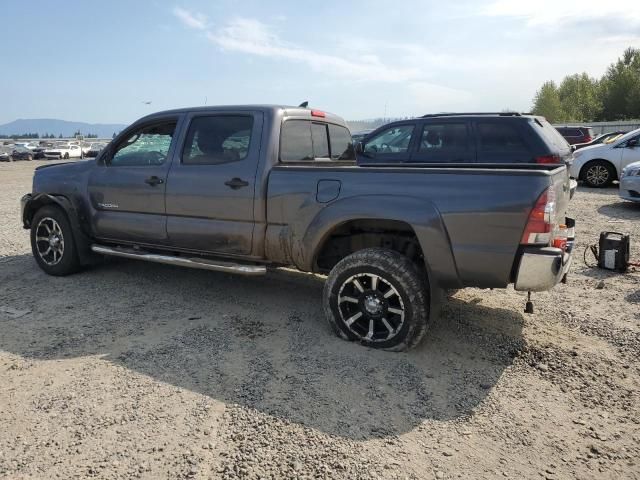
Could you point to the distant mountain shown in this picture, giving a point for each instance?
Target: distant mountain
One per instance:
(57, 127)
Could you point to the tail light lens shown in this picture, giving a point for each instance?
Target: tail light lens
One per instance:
(548, 159)
(539, 226)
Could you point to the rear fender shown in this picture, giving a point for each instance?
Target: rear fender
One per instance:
(422, 216)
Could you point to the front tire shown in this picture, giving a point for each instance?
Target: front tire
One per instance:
(379, 298)
(598, 174)
(52, 242)
(66, 156)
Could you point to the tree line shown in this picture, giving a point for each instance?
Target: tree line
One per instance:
(581, 98)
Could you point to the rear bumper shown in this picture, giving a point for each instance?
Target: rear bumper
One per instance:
(542, 268)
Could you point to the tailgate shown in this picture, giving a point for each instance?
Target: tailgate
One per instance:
(561, 185)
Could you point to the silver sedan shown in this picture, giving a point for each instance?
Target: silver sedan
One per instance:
(630, 182)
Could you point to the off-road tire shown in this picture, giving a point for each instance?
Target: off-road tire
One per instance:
(394, 269)
(69, 263)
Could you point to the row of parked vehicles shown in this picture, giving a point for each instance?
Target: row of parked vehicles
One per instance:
(49, 150)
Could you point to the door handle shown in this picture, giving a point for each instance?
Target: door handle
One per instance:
(236, 183)
(153, 181)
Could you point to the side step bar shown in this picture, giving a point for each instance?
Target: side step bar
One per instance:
(201, 263)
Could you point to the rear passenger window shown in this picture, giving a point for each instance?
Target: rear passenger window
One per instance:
(217, 139)
(304, 141)
(443, 137)
(499, 136)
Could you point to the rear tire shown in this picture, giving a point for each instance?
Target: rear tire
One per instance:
(598, 174)
(379, 298)
(52, 242)
(30, 158)
(66, 156)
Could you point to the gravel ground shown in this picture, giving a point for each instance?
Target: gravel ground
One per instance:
(134, 370)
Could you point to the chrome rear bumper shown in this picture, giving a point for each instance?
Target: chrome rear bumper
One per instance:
(542, 268)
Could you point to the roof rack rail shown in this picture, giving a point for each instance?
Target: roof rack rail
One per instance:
(502, 114)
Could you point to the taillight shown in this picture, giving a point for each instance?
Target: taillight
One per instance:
(588, 138)
(317, 113)
(539, 224)
(548, 159)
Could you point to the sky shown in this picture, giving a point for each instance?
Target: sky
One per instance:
(100, 62)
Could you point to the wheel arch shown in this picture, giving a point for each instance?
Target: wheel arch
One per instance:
(82, 240)
(414, 219)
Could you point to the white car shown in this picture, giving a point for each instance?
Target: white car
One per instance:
(599, 165)
(63, 151)
(630, 182)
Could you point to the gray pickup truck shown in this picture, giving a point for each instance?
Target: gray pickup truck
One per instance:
(242, 188)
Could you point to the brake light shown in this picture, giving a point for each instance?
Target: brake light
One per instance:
(317, 113)
(588, 138)
(548, 159)
(539, 227)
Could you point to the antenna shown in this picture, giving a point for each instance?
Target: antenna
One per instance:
(304, 104)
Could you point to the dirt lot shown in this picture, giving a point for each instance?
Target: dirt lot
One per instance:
(134, 370)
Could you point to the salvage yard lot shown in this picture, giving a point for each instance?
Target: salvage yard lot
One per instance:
(141, 370)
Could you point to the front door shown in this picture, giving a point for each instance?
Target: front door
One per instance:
(127, 186)
(212, 183)
(630, 152)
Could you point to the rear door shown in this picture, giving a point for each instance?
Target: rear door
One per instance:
(127, 186)
(447, 141)
(212, 183)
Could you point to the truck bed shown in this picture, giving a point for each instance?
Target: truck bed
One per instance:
(469, 218)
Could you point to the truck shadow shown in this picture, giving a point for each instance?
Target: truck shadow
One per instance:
(258, 342)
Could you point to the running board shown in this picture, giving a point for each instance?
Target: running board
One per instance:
(201, 263)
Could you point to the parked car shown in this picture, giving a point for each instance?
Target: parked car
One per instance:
(604, 138)
(598, 166)
(630, 182)
(575, 135)
(38, 152)
(95, 149)
(22, 153)
(5, 154)
(63, 152)
(287, 191)
(466, 138)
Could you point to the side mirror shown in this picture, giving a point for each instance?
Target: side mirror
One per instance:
(359, 147)
(632, 143)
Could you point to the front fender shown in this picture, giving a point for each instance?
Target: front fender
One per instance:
(32, 203)
(421, 215)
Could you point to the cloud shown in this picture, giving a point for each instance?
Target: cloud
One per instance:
(197, 21)
(250, 36)
(554, 13)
